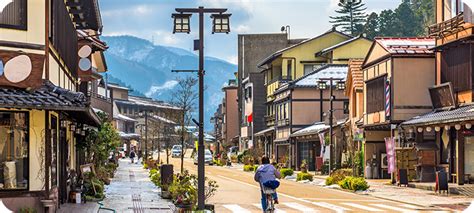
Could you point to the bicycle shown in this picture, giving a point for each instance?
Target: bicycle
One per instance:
(270, 202)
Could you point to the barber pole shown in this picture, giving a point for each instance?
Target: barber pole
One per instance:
(387, 100)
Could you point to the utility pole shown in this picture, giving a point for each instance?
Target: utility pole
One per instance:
(146, 135)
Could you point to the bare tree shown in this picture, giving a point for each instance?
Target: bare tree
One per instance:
(184, 97)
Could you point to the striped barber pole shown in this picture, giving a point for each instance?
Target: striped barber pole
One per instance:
(387, 100)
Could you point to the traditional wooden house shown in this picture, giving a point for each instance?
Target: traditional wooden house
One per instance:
(449, 125)
(48, 49)
(396, 73)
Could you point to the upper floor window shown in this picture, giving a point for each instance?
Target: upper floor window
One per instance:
(452, 8)
(376, 95)
(289, 69)
(13, 14)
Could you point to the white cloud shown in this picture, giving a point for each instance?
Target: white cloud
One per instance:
(232, 59)
(159, 89)
(242, 28)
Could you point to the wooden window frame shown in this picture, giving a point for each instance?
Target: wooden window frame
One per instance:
(376, 104)
(24, 18)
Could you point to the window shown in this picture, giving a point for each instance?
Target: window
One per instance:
(309, 68)
(289, 69)
(346, 107)
(13, 15)
(375, 95)
(250, 92)
(456, 67)
(14, 150)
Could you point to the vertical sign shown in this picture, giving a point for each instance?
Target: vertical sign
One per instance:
(323, 143)
(387, 100)
(390, 146)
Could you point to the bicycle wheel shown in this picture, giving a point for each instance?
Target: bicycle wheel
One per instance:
(270, 204)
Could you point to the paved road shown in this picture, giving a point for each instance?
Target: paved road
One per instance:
(238, 193)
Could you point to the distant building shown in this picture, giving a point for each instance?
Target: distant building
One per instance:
(230, 120)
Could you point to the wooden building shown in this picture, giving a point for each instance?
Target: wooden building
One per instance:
(449, 125)
(48, 49)
(396, 74)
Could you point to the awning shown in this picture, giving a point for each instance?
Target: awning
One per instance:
(460, 114)
(311, 130)
(124, 118)
(124, 135)
(265, 131)
(282, 140)
(88, 116)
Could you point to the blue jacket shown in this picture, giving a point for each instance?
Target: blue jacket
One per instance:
(266, 172)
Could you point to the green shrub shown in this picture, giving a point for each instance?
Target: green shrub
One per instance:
(359, 184)
(145, 166)
(27, 210)
(304, 176)
(354, 183)
(329, 181)
(217, 162)
(286, 172)
(155, 177)
(250, 168)
(339, 175)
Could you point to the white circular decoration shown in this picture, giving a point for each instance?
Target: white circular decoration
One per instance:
(437, 128)
(85, 64)
(85, 51)
(17, 69)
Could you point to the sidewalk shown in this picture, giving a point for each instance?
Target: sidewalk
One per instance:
(380, 189)
(131, 188)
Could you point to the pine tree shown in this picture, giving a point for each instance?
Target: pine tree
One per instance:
(388, 24)
(372, 28)
(409, 24)
(352, 14)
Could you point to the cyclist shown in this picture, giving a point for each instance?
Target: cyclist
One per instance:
(267, 175)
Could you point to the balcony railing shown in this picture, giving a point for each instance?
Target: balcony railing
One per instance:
(452, 25)
(283, 122)
(270, 120)
(64, 36)
(100, 102)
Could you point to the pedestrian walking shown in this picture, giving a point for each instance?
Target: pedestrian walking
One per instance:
(132, 155)
(139, 155)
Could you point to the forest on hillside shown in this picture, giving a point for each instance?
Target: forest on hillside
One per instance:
(410, 19)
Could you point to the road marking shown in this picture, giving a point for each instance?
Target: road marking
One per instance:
(368, 208)
(342, 199)
(338, 209)
(299, 207)
(236, 208)
(410, 206)
(391, 207)
(259, 206)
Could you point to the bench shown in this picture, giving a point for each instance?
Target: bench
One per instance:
(467, 178)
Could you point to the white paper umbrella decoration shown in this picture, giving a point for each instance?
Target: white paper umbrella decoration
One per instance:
(18, 69)
(4, 3)
(85, 64)
(3, 208)
(85, 51)
(1, 67)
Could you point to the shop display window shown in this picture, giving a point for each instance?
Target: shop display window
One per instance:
(13, 150)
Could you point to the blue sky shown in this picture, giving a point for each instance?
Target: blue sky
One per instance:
(151, 20)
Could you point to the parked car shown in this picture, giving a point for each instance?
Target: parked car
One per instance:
(207, 158)
(176, 151)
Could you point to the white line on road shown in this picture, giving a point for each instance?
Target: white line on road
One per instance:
(299, 207)
(236, 208)
(410, 206)
(391, 207)
(259, 206)
(338, 209)
(362, 207)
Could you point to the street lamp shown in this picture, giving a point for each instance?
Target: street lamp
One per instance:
(220, 25)
(322, 85)
(145, 113)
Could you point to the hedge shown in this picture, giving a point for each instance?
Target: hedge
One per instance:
(304, 176)
(354, 183)
(286, 172)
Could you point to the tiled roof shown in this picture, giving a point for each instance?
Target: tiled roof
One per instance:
(464, 113)
(46, 97)
(146, 102)
(407, 45)
(313, 129)
(326, 71)
(355, 74)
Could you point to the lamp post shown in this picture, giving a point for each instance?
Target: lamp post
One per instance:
(220, 25)
(339, 86)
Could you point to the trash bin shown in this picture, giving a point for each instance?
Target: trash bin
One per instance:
(166, 172)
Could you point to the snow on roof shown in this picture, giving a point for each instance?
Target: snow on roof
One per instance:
(143, 101)
(129, 135)
(124, 118)
(163, 119)
(327, 71)
(407, 45)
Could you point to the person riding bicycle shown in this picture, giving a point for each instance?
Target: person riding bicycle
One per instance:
(267, 175)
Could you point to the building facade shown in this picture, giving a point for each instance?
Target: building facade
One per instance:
(230, 113)
(47, 50)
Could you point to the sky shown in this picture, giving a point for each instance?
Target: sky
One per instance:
(151, 20)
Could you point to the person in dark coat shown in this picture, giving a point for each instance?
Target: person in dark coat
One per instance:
(132, 155)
